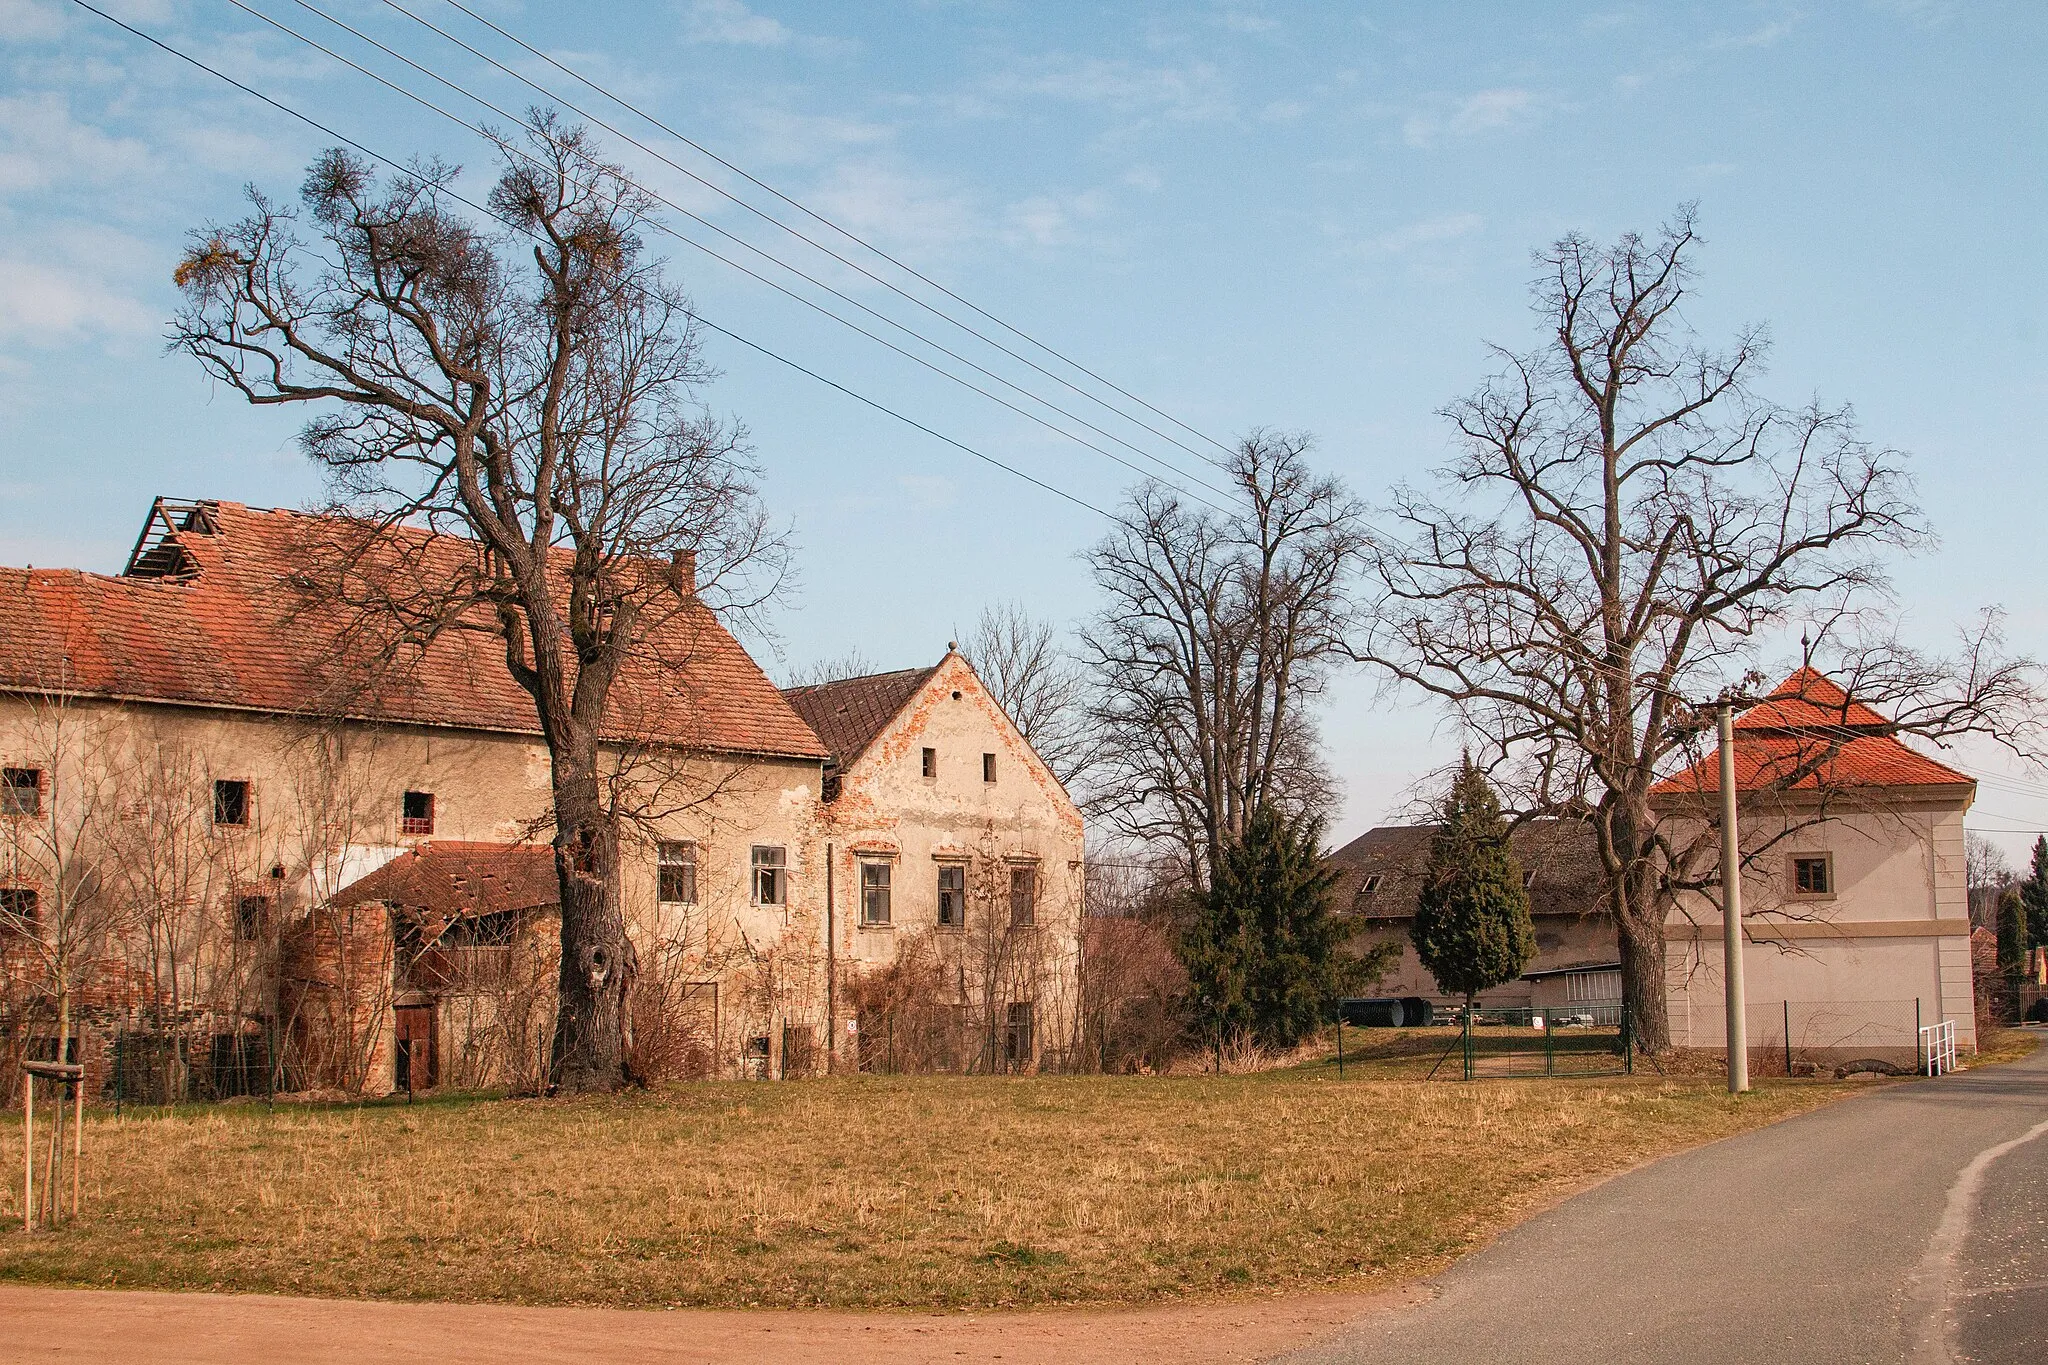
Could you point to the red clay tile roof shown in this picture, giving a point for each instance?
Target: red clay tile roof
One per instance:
(1808, 699)
(238, 632)
(848, 714)
(448, 879)
(1808, 736)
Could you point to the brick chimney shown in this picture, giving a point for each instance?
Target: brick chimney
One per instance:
(686, 571)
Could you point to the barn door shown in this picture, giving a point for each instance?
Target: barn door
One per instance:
(417, 1066)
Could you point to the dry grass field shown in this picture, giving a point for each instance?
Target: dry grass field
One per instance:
(930, 1192)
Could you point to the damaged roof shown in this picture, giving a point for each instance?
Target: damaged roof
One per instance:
(847, 715)
(219, 607)
(451, 879)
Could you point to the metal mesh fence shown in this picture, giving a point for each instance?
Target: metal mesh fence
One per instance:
(1585, 1038)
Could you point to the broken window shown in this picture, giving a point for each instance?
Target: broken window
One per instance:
(1814, 876)
(1017, 1035)
(493, 930)
(231, 802)
(21, 791)
(1023, 897)
(416, 816)
(988, 767)
(771, 875)
(1371, 884)
(20, 910)
(252, 914)
(952, 896)
(677, 862)
(931, 762)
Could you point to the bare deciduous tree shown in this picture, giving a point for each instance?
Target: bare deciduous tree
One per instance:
(1218, 632)
(531, 384)
(1627, 525)
(1037, 683)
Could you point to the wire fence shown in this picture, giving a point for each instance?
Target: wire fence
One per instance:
(1584, 1038)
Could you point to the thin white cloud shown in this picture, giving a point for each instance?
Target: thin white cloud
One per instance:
(27, 21)
(1424, 232)
(1283, 111)
(1487, 111)
(1189, 93)
(46, 304)
(1766, 35)
(1044, 220)
(1144, 178)
(730, 22)
(42, 145)
(902, 211)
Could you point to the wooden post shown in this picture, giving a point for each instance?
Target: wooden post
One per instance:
(28, 1151)
(77, 1138)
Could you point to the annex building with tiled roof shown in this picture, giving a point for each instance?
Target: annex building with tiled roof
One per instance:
(325, 783)
(1856, 917)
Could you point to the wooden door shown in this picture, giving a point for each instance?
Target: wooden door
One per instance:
(417, 1065)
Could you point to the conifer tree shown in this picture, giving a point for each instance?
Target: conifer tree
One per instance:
(1471, 927)
(1265, 952)
(2013, 940)
(2034, 893)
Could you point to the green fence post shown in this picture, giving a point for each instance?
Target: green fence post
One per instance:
(1468, 1042)
(1628, 1041)
(1340, 1040)
(1788, 1038)
(1549, 1055)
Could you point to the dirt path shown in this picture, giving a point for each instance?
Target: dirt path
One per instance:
(68, 1325)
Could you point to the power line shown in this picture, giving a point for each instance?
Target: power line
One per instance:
(849, 236)
(694, 316)
(425, 103)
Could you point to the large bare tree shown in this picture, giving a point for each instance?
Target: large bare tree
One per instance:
(1216, 635)
(1626, 528)
(529, 381)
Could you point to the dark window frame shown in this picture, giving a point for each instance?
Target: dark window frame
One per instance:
(1802, 881)
(1025, 874)
(957, 872)
(252, 917)
(929, 763)
(13, 791)
(675, 870)
(877, 884)
(769, 875)
(233, 799)
(23, 907)
(411, 823)
(988, 767)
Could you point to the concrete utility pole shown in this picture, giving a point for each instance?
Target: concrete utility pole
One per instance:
(1731, 912)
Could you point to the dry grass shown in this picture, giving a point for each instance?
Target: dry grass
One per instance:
(1996, 1045)
(903, 1192)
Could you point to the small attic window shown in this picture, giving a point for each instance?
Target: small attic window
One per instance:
(1371, 884)
(931, 763)
(1528, 880)
(416, 814)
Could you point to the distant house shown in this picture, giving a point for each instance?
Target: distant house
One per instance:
(1381, 874)
(1855, 906)
(955, 868)
(1856, 890)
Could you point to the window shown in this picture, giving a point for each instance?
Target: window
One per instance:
(874, 893)
(416, 816)
(771, 875)
(676, 863)
(931, 762)
(252, 913)
(988, 767)
(21, 791)
(20, 911)
(952, 896)
(1371, 884)
(231, 802)
(1528, 880)
(1023, 897)
(1592, 988)
(492, 930)
(1017, 1034)
(1813, 876)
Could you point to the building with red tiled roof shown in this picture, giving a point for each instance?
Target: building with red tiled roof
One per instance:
(1855, 902)
(961, 855)
(319, 801)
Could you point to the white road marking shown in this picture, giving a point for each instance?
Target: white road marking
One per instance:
(1928, 1286)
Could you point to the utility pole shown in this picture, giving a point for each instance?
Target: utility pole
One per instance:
(1731, 912)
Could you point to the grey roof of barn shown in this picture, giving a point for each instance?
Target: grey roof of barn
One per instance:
(848, 714)
(1561, 854)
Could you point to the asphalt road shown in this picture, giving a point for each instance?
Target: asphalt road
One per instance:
(1906, 1225)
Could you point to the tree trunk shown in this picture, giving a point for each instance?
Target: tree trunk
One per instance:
(1639, 930)
(592, 1023)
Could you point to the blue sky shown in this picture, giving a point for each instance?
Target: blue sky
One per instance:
(1304, 216)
